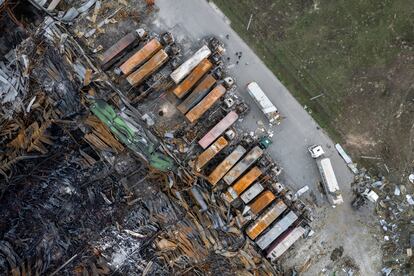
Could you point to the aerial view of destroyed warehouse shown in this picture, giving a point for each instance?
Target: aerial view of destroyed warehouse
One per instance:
(148, 138)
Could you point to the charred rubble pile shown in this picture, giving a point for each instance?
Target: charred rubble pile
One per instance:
(94, 180)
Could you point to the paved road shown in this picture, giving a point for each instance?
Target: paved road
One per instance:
(198, 20)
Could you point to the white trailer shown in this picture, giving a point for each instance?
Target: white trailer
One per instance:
(184, 69)
(327, 173)
(267, 107)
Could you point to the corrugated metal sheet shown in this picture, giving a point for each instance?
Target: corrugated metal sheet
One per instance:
(276, 230)
(116, 49)
(218, 129)
(184, 69)
(252, 192)
(243, 165)
(277, 248)
(141, 56)
(209, 153)
(261, 202)
(198, 94)
(226, 165)
(148, 68)
(265, 219)
(196, 112)
(201, 69)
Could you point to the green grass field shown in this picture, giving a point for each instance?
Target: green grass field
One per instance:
(317, 47)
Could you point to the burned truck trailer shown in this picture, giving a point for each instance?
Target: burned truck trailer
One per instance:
(276, 230)
(218, 129)
(284, 242)
(184, 69)
(184, 87)
(242, 184)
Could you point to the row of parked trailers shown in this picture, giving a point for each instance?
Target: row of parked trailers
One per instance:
(276, 227)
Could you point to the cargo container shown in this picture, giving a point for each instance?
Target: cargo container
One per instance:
(242, 184)
(260, 203)
(218, 129)
(283, 243)
(141, 56)
(252, 192)
(243, 165)
(201, 69)
(196, 112)
(121, 46)
(148, 68)
(184, 69)
(226, 165)
(265, 219)
(197, 94)
(267, 107)
(276, 230)
(209, 153)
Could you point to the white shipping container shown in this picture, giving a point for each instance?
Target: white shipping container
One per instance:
(184, 69)
(252, 192)
(267, 107)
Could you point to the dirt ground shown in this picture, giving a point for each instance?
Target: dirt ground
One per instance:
(357, 56)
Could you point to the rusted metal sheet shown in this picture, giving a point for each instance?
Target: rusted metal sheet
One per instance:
(198, 94)
(276, 230)
(226, 165)
(196, 112)
(115, 50)
(243, 165)
(284, 242)
(148, 68)
(182, 89)
(264, 220)
(218, 129)
(143, 54)
(261, 202)
(251, 193)
(209, 153)
(242, 184)
(184, 69)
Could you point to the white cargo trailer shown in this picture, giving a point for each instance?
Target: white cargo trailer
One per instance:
(267, 107)
(184, 69)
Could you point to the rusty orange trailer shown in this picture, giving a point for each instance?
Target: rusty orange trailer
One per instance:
(266, 219)
(201, 69)
(141, 56)
(226, 165)
(209, 153)
(196, 112)
(148, 68)
(242, 184)
(197, 94)
(261, 202)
